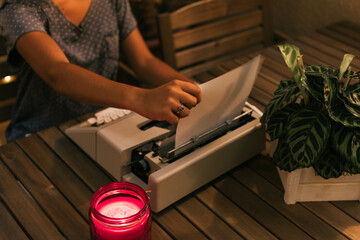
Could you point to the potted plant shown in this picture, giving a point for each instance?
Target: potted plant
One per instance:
(315, 118)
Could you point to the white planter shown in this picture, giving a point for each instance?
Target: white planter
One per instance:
(303, 185)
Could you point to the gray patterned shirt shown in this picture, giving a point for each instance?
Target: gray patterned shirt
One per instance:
(93, 45)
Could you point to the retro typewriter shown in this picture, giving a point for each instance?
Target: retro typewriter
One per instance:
(135, 149)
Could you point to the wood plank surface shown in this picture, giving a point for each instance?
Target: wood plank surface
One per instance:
(9, 228)
(47, 169)
(272, 220)
(175, 223)
(205, 219)
(72, 224)
(23, 206)
(63, 178)
(299, 215)
(342, 222)
(77, 160)
(235, 217)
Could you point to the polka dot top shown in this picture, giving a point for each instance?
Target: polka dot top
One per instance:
(94, 45)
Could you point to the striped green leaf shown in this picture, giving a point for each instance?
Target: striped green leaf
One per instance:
(308, 132)
(346, 142)
(287, 93)
(283, 158)
(293, 60)
(352, 93)
(351, 99)
(335, 105)
(278, 122)
(329, 165)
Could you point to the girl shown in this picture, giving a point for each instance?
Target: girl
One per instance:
(67, 54)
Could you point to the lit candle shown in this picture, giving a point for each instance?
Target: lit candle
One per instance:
(120, 210)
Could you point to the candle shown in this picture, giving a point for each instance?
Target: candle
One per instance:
(120, 210)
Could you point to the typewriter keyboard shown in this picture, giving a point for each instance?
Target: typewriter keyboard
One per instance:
(107, 115)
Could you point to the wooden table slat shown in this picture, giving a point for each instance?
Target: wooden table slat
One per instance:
(332, 215)
(335, 217)
(158, 233)
(46, 195)
(340, 37)
(328, 49)
(347, 30)
(9, 229)
(76, 159)
(276, 66)
(307, 50)
(234, 216)
(271, 219)
(33, 220)
(205, 219)
(335, 44)
(203, 77)
(176, 224)
(70, 185)
(299, 215)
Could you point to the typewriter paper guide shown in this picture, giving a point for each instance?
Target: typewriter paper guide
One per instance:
(223, 98)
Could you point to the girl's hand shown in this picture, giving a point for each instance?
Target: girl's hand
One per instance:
(168, 102)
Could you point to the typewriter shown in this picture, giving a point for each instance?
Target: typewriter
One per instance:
(135, 149)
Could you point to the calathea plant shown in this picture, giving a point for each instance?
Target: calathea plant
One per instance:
(315, 116)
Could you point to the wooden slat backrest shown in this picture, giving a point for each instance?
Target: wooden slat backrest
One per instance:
(208, 29)
(203, 52)
(207, 10)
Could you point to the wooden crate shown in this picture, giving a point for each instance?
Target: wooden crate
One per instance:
(303, 185)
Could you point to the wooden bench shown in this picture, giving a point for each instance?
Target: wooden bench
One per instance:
(206, 33)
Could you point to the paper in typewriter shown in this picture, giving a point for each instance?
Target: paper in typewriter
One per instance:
(223, 98)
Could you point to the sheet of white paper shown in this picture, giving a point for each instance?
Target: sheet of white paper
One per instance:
(223, 98)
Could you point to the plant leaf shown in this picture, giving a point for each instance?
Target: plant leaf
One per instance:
(293, 60)
(351, 99)
(335, 105)
(315, 81)
(308, 131)
(278, 122)
(282, 157)
(345, 64)
(287, 93)
(329, 165)
(346, 142)
(352, 93)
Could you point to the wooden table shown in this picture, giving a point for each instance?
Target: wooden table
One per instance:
(46, 181)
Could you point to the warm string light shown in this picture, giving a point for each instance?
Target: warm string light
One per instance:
(7, 78)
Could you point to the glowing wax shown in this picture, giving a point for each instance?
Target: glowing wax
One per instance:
(120, 211)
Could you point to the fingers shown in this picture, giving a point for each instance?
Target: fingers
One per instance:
(188, 94)
(168, 102)
(193, 90)
(182, 111)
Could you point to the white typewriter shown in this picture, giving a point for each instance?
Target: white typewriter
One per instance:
(135, 149)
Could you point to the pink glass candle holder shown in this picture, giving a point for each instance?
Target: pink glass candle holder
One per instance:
(120, 210)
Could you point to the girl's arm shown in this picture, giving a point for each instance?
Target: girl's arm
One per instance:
(46, 58)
